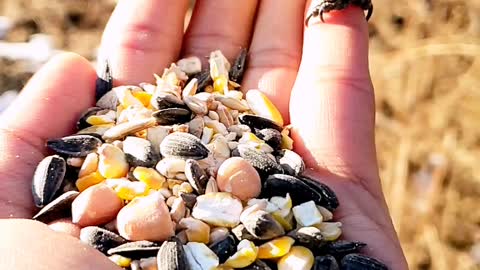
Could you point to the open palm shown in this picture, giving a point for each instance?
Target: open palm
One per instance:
(318, 77)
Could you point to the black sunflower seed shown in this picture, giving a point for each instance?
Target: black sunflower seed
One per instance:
(48, 179)
(171, 256)
(100, 239)
(340, 248)
(258, 122)
(262, 225)
(183, 145)
(224, 248)
(309, 237)
(361, 262)
(257, 265)
(172, 116)
(75, 145)
(327, 262)
(238, 67)
(291, 162)
(281, 184)
(136, 250)
(271, 136)
(104, 81)
(203, 78)
(330, 200)
(264, 165)
(190, 199)
(167, 101)
(139, 152)
(58, 208)
(196, 176)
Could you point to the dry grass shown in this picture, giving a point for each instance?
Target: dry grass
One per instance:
(425, 62)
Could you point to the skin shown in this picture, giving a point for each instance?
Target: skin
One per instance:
(318, 77)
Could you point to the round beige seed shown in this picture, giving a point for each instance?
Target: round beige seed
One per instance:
(238, 177)
(96, 205)
(146, 218)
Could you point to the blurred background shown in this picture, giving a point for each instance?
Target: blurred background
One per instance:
(425, 63)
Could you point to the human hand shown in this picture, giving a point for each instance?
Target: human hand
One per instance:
(317, 76)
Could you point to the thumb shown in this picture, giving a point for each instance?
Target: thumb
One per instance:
(332, 104)
(47, 107)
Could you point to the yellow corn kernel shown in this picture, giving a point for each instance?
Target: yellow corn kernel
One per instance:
(185, 187)
(196, 230)
(220, 84)
(262, 106)
(119, 111)
(209, 89)
(249, 137)
(286, 221)
(287, 142)
(150, 177)
(131, 190)
(89, 180)
(125, 97)
(89, 165)
(96, 120)
(112, 162)
(141, 134)
(246, 254)
(223, 267)
(173, 182)
(331, 231)
(143, 97)
(275, 248)
(298, 258)
(120, 260)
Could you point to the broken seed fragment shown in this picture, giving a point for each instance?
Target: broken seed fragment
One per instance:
(200, 257)
(262, 225)
(218, 209)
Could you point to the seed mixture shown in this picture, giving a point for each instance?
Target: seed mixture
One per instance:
(190, 173)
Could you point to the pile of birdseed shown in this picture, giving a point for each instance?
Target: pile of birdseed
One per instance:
(190, 174)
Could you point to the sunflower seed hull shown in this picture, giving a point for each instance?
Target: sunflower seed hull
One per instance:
(224, 248)
(136, 250)
(281, 184)
(361, 262)
(104, 81)
(75, 146)
(327, 262)
(171, 256)
(48, 179)
(329, 199)
(100, 239)
(183, 145)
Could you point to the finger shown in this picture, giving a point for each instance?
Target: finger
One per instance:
(21, 237)
(275, 51)
(142, 37)
(219, 25)
(332, 104)
(47, 107)
(332, 113)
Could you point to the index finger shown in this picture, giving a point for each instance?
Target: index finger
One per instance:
(142, 37)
